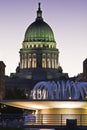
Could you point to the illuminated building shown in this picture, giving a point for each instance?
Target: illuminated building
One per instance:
(39, 58)
(61, 96)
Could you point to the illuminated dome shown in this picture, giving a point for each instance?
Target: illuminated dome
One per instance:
(60, 90)
(39, 54)
(39, 30)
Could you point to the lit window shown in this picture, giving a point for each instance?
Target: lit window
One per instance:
(37, 45)
(44, 61)
(34, 62)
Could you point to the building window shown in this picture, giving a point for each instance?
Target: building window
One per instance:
(43, 60)
(41, 45)
(43, 63)
(28, 46)
(29, 61)
(37, 45)
(34, 62)
(48, 61)
(32, 45)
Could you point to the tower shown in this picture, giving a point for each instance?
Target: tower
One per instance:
(2, 76)
(85, 67)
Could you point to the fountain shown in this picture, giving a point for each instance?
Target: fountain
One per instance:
(59, 90)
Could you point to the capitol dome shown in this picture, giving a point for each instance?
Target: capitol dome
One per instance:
(39, 54)
(39, 30)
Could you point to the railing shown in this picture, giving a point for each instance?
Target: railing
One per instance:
(44, 119)
(61, 119)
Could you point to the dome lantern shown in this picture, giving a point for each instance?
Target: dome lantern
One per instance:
(39, 13)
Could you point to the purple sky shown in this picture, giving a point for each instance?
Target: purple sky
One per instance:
(67, 18)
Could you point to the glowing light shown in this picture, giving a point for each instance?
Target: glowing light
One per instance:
(69, 98)
(35, 105)
(86, 97)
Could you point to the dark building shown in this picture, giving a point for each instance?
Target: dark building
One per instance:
(2, 79)
(83, 76)
(85, 68)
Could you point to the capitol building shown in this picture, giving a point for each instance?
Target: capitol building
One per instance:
(45, 88)
(39, 57)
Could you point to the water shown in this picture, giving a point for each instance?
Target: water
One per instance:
(60, 90)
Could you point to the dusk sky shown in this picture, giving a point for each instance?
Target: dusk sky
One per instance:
(67, 18)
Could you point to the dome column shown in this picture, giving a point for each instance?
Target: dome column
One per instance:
(26, 60)
(39, 60)
(51, 60)
(21, 60)
(46, 61)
